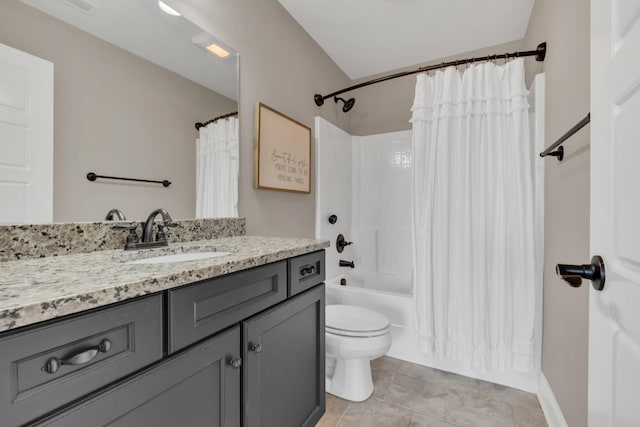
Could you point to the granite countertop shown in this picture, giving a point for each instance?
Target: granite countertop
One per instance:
(41, 289)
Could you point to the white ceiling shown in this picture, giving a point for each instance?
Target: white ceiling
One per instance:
(366, 37)
(141, 28)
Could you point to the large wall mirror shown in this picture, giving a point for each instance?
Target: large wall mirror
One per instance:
(130, 82)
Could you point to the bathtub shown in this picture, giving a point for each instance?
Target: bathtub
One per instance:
(400, 308)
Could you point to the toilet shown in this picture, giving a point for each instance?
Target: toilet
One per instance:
(353, 336)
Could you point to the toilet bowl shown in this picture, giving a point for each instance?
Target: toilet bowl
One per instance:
(353, 336)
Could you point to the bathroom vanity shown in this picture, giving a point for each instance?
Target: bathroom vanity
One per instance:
(91, 339)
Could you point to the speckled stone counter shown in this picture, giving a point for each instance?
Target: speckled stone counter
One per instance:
(65, 238)
(35, 290)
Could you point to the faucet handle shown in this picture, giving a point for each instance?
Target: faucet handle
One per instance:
(161, 235)
(132, 238)
(131, 227)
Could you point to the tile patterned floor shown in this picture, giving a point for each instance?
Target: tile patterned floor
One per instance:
(409, 395)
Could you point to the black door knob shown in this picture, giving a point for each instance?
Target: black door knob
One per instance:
(573, 274)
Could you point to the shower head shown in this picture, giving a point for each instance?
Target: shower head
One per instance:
(348, 103)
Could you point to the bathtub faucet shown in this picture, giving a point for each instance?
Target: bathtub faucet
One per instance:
(344, 263)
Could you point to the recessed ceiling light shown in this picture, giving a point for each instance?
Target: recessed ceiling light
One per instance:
(221, 52)
(166, 9)
(207, 41)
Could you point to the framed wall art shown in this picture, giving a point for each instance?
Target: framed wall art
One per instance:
(282, 152)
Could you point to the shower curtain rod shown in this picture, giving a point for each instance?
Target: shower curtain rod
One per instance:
(224, 116)
(539, 53)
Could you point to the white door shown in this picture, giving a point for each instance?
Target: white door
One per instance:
(614, 313)
(26, 138)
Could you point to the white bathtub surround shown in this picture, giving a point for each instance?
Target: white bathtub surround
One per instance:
(217, 153)
(381, 214)
(473, 217)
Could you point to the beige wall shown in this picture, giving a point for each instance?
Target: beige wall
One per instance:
(565, 27)
(281, 66)
(114, 114)
(386, 107)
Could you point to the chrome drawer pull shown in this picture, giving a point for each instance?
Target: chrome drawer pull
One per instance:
(81, 358)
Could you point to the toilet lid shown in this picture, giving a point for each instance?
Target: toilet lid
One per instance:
(352, 320)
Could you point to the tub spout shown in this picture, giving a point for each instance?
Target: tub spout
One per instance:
(344, 263)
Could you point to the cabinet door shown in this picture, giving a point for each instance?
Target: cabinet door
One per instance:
(197, 388)
(284, 363)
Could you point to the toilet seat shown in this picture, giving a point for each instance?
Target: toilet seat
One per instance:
(354, 321)
(356, 334)
(353, 336)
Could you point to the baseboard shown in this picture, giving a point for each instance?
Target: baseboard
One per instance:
(549, 404)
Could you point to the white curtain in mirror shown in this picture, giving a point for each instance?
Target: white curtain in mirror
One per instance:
(217, 153)
(473, 217)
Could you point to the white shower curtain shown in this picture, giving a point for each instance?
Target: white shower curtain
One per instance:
(473, 217)
(217, 154)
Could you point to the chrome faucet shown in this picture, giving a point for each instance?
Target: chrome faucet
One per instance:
(147, 233)
(115, 214)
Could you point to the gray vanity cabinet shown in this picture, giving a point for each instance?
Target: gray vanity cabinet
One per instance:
(284, 363)
(246, 348)
(197, 388)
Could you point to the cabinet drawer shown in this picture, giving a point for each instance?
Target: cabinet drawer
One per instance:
(198, 388)
(90, 351)
(305, 272)
(199, 310)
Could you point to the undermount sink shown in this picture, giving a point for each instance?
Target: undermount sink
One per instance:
(181, 257)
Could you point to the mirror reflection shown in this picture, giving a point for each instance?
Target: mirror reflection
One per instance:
(130, 81)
